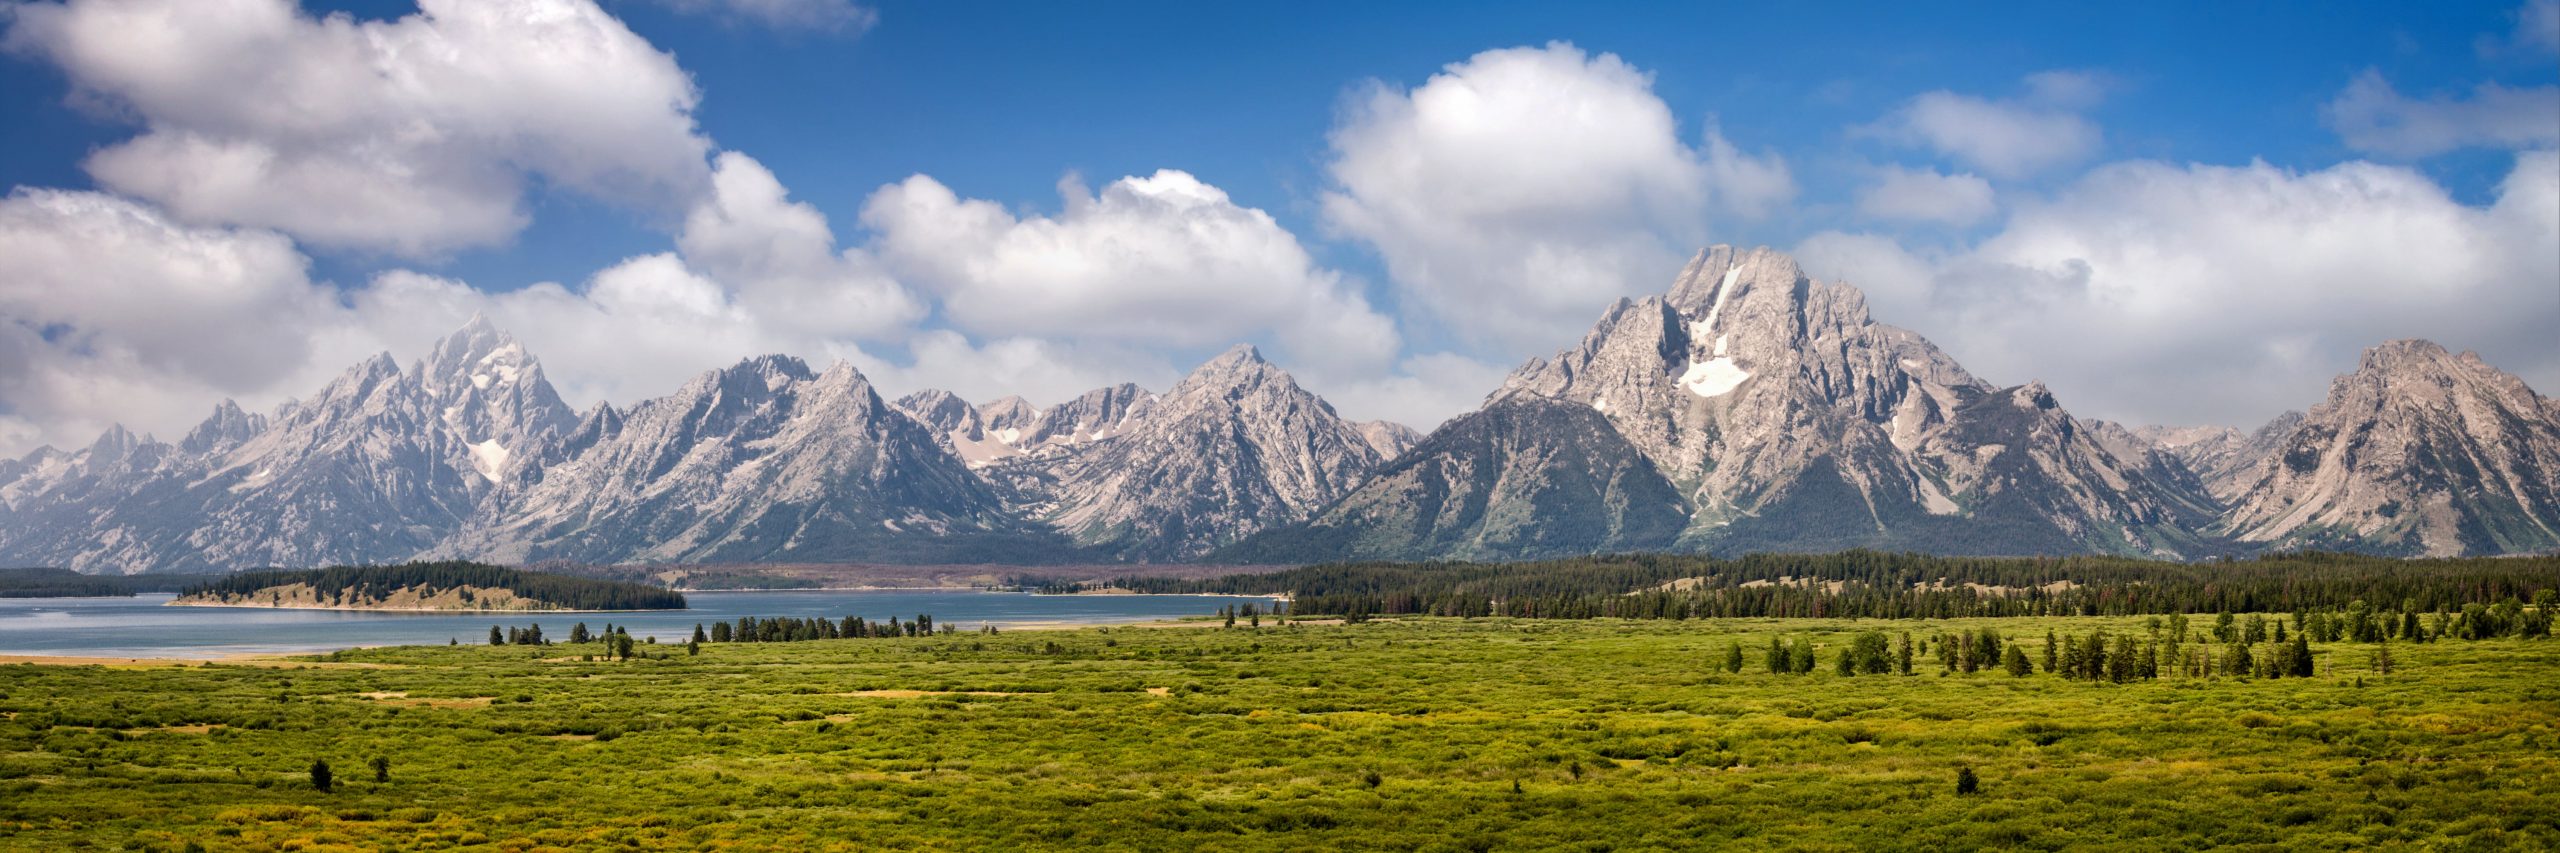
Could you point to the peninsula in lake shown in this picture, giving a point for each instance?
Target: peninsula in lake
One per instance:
(427, 586)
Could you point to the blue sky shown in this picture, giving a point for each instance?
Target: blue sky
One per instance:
(2367, 121)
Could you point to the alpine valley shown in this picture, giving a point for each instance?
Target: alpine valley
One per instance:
(1751, 408)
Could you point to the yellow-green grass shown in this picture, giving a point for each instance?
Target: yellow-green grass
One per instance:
(1411, 734)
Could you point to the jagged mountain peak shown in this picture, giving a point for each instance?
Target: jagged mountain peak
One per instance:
(1095, 415)
(758, 461)
(1238, 355)
(229, 426)
(1234, 448)
(1389, 438)
(942, 411)
(1240, 365)
(2416, 451)
(478, 348)
(1719, 272)
(2415, 371)
(2034, 395)
(1009, 412)
(779, 367)
(1768, 396)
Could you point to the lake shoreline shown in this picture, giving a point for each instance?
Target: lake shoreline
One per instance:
(122, 630)
(442, 611)
(297, 658)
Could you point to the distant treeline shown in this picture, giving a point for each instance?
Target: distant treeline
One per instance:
(1878, 585)
(786, 629)
(365, 583)
(65, 583)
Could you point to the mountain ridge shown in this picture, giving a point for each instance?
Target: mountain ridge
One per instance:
(1749, 407)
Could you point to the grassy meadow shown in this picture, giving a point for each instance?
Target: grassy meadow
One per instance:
(1419, 734)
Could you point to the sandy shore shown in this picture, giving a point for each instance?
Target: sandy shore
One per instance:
(444, 610)
(266, 660)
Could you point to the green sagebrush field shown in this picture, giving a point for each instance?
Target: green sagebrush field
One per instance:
(1422, 734)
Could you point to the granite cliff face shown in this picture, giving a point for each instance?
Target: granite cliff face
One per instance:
(764, 461)
(1788, 420)
(381, 463)
(2223, 458)
(2420, 452)
(1524, 477)
(1234, 448)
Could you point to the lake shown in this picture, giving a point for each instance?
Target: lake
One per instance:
(141, 627)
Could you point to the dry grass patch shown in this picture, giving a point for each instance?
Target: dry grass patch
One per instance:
(918, 694)
(402, 697)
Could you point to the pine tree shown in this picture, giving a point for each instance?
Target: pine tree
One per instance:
(698, 635)
(1966, 782)
(381, 770)
(320, 777)
(2048, 650)
(1733, 657)
(496, 638)
(2016, 662)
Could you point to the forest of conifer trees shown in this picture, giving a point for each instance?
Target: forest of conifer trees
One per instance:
(372, 583)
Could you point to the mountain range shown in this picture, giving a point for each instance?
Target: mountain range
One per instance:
(1750, 408)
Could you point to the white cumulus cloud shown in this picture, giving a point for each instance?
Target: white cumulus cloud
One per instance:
(113, 312)
(781, 258)
(1164, 260)
(414, 136)
(1927, 195)
(2209, 294)
(2005, 138)
(832, 16)
(2374, 117)
(106, 306)
(1513, 192)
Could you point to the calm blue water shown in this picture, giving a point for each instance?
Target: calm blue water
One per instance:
(141, 627)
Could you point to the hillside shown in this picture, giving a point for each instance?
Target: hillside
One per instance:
(443, 586)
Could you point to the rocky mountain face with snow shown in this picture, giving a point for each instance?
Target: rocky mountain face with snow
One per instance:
(2418, 452)
(380, 462)
(1749, 408)
(1785, 419)
(763, 461)
(1234, 448)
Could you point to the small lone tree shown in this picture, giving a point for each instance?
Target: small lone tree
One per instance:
(320, 777)
(496, 638)
(381, 770)
(2015, 661)
(1966, 782)
(1733, 657)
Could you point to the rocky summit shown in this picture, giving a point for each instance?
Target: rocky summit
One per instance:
(1749, 408)
(2418, 452)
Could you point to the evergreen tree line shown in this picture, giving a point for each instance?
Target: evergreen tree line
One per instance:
(617, 641)
(1872, 584)
(2165, 650)
(373, 583)
(784, 629)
